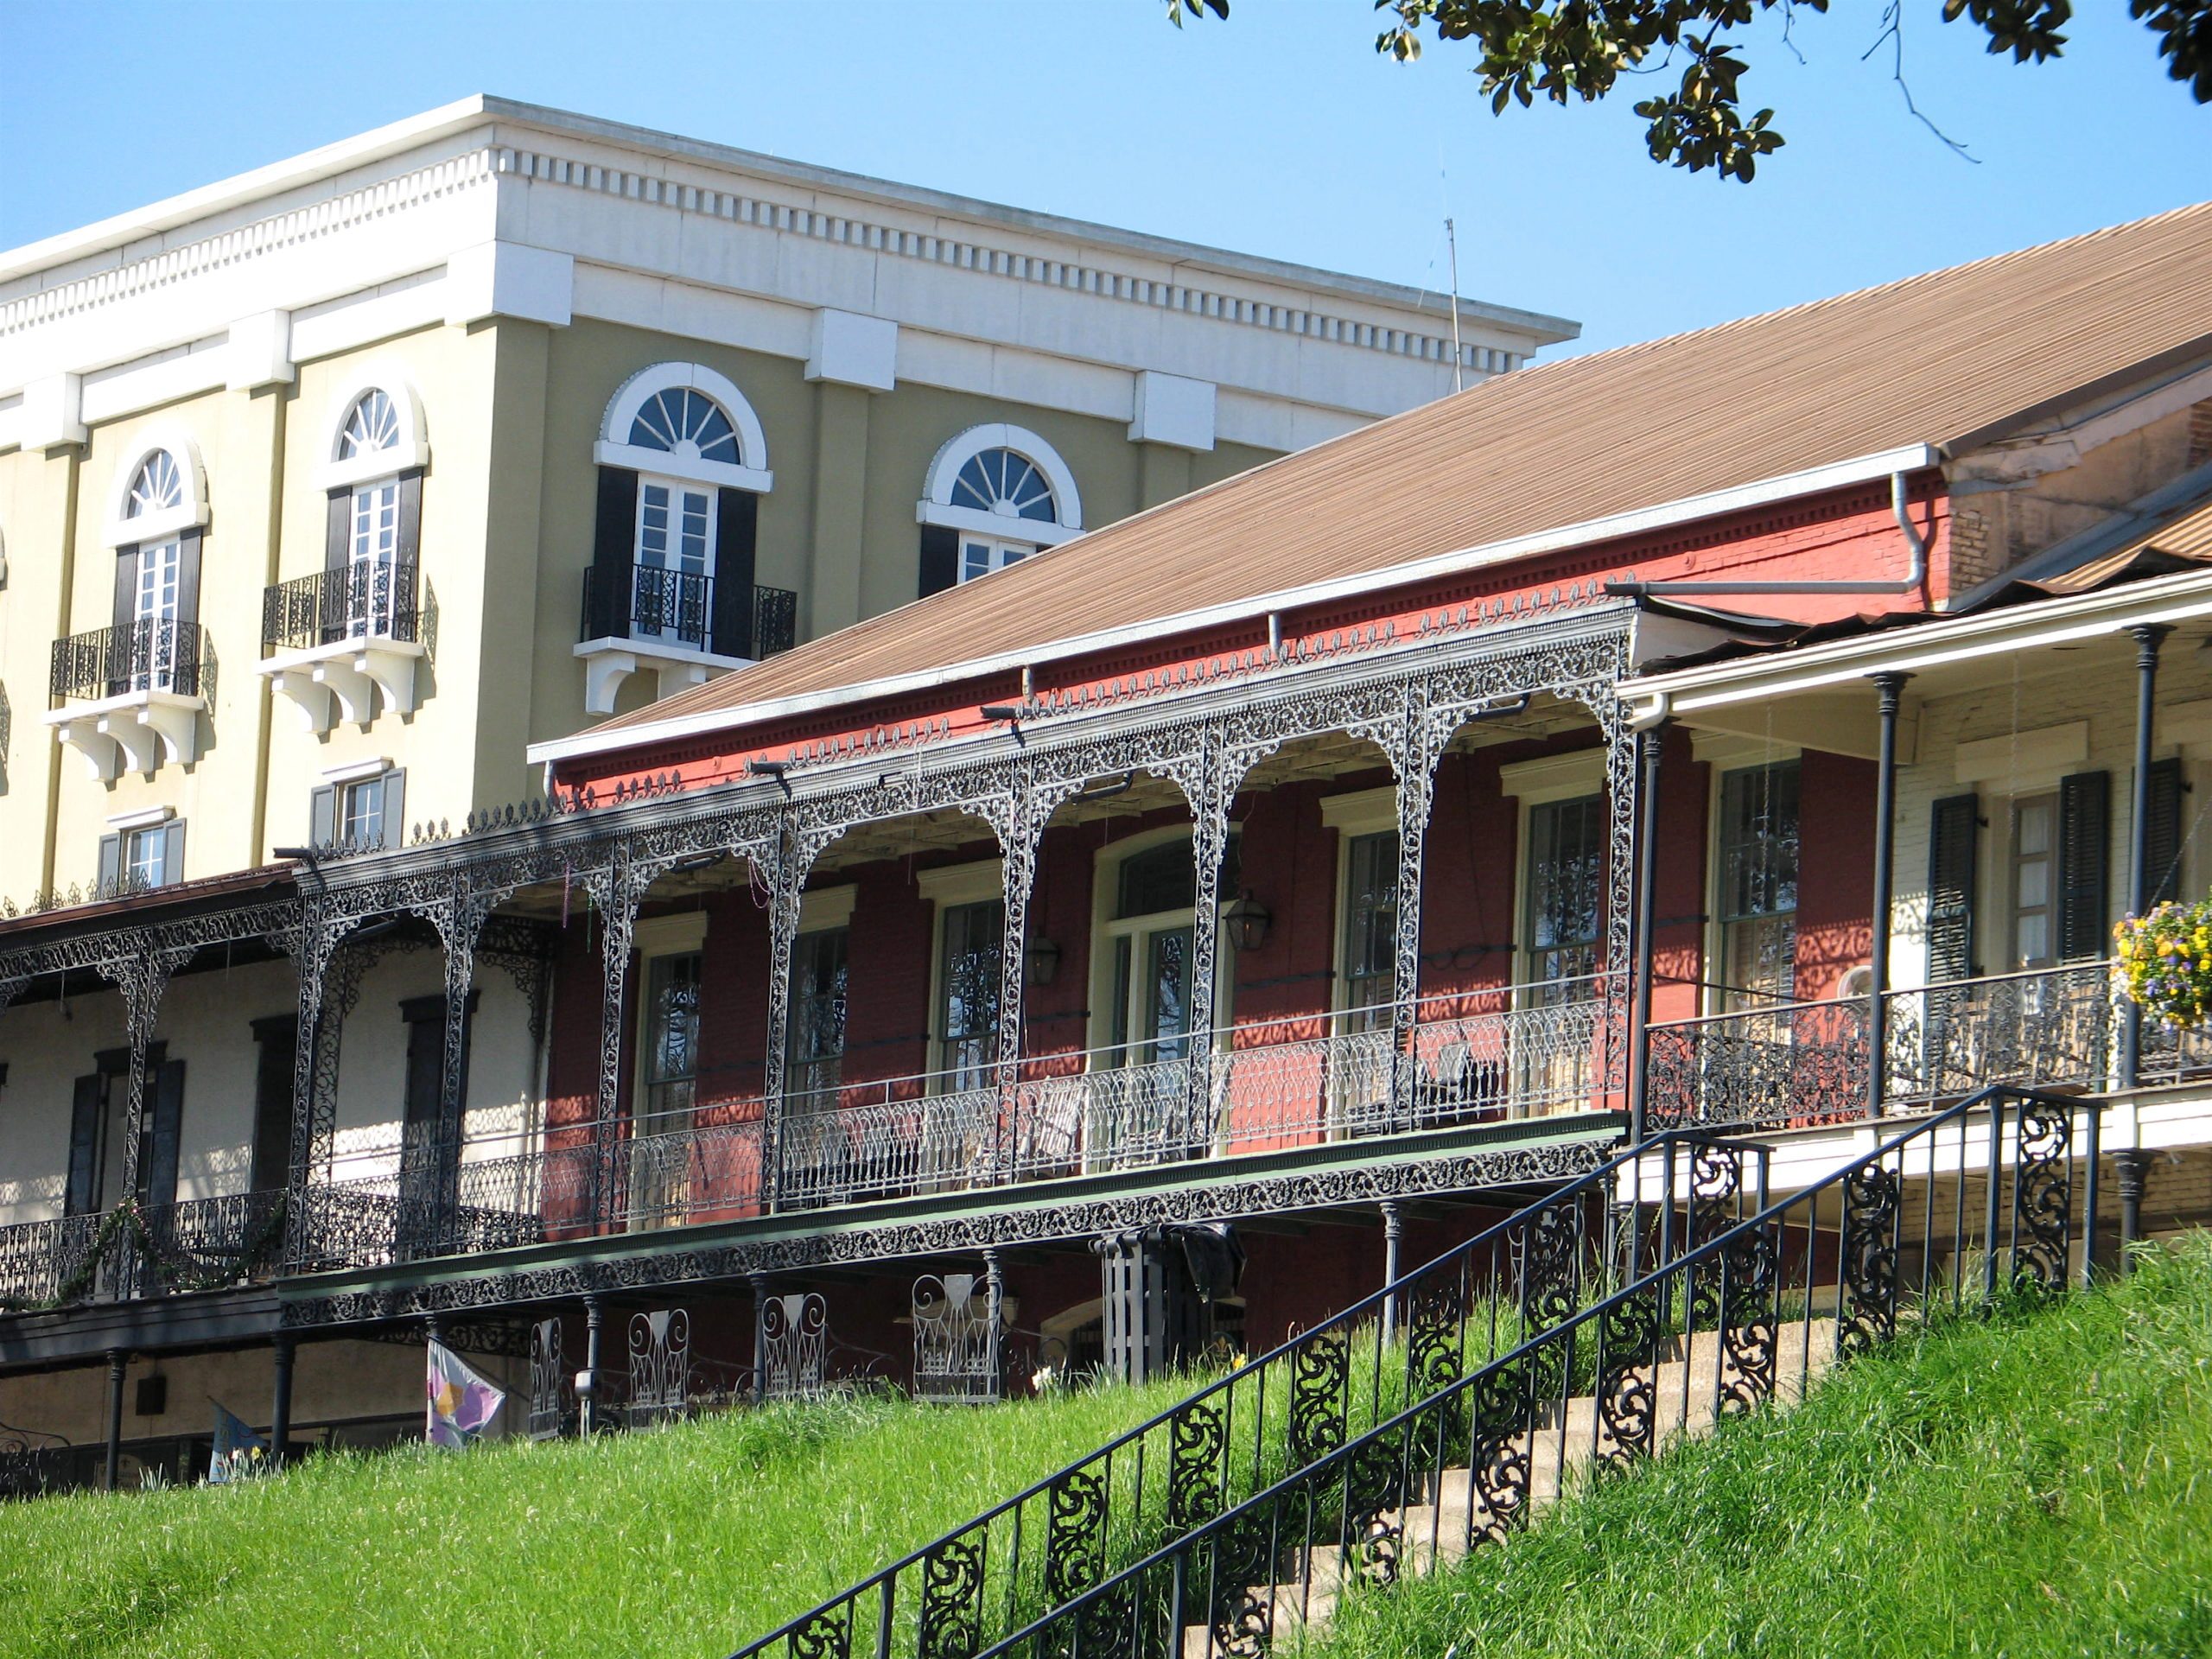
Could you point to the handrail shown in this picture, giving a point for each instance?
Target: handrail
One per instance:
(1769, 1011)
(1545, 1217)
(156, 654)
(1633, 1320)
(365, 600)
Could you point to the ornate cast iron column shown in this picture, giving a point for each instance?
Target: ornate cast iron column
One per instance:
(1650, 743)
(788, 890)
(995, 1301)
(460, 922)
(1890, 688)
(1393, 1232)
(1208, 779)
(595, 1328)
(614, 897)
(759, 1282)
(2141, 882)
(1415, 752)
(142, 976)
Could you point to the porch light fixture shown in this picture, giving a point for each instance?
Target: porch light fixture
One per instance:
(1247, 921)
(1041, 960)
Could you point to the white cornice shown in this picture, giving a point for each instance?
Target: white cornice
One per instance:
(69, 277)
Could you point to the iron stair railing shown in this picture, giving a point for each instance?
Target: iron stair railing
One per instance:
(1156, 1481)
(1740, 1319)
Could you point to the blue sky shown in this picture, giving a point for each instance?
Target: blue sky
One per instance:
(1279, 133)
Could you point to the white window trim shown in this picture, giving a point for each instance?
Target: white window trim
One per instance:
(411, 454)
(614, 449)
(669, 936)
(1734, 755)
(355, 771)
(822, 909)
(144, 818)
(1105, 928)
(1553, 778)
(1362, 812)
(2026, 763)
(190, 514)
(936, 505)
(1732, 750)
(1548, 792)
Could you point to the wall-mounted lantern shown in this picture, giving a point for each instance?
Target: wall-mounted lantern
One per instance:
(1246, 919)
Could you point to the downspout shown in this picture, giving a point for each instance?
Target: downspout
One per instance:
(1917, 576)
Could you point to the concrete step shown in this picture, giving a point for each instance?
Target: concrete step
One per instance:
(1681, 1396)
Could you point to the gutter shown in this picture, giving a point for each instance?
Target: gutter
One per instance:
(1912, 580)
(1688, 509)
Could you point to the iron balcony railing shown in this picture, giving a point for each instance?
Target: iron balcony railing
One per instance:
(1807, 1061)
(193, 1244)
(159, 654)
(365, 600)
(651, 605)
(1477, 1057)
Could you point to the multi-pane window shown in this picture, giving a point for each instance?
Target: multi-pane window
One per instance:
(157, 486)
(361, 813)
(1565, 900)
(968, 999)
(675, 544)
(682, 422)
(672, 1059)
(2033, 885)
(146, 857)
(815, 1046)
(1154, 914)
(371, 425)
(981, 555)
(373, 549)
(1759, 886)
(160, 565)
(1368, 949)
(1001, 482)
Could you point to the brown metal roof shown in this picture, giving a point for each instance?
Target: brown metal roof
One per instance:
(1930, 359)
(2181, 542)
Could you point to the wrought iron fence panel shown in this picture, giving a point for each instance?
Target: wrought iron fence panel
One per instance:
(794, 1331)
(157, 654)
(202, 1244)
(39, 1259)
(1996, 1192)
(680, 1175)
(2049, 1028)
(660, 1368)
(959, 1341)
(1246, 1428)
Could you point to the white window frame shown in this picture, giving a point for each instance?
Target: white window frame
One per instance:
(945, 889)
(1001, 552)
(1722, 753)
(614, 449)
(412, 452)
(1106, 928)
(190, 513)
(1543, 781)
(936, 506)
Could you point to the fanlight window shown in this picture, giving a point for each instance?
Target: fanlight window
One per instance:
(1001, 481)
(158, 487)
(371, 425)
(679, 415)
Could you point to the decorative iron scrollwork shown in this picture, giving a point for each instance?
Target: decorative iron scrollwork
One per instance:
(1750, 1267)
(1077, 1507)
(660, 1366)
(951, 1624)
(1869, 1248)
(827, 1633)
(1320, 1387)
(1629, 1330)
(1197, 1435)
(795, 1346)
(1435, 1337)
(2043, 1197)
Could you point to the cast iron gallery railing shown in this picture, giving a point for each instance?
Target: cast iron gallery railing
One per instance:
(1287, 1406)
(676, 607)
(160, 654)
(1806, 1062)
(1472, 1058)
(142, 1250)
(366, 599)
(1484, 1417)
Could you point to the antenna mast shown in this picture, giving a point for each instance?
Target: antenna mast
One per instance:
(1451, 241)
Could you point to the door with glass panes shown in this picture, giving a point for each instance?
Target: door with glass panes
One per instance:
(675, 538)
(1562, 919)
(663, 1153)
(1367, 977)
(1141, 1103)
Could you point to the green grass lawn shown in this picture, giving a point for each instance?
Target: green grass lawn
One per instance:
(682, 1542)
(2040, 1484)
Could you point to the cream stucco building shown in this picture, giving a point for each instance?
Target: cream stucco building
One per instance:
(326, 490)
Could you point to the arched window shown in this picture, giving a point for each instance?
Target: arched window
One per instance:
(157, 516)
(682, 462)
(996, 495)
(372, 475)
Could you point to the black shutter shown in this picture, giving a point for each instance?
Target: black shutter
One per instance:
(110, 862)
(322, 815)
(1953, 838)
(2162, 845)
(185, 648)
(87, 1105)
(278, 1037)
(737, 515)
(338, 530)
(157, 1177)
(409, 545)
(614, 547)
(395, 808)
(2084, 813)
(172, 853)
(940, 559)
(126, 586)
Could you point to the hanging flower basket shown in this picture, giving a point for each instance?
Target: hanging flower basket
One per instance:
(2163, 962)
